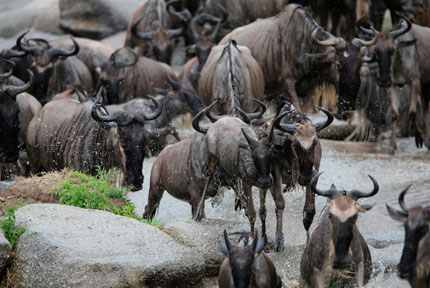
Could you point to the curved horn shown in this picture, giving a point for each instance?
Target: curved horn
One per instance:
(196, 119)
(371, 32)
(227, 241)
(357, 42)
(15, 90)
(256, 115)
(144, 36)
(193, 28)
(174, 33)
(218, 25)
(32, 50)
(212, 117)
(125, 63)
(331, 41)
(243, 115)
(402, 200)
(161, 91)
(405, 26)
(288, 128)
(175, 85)
(278, 118)
(121, 118)
(326, 193)
(321, 125)
(356, 194)
(59, 52)
(183, 15)
(8, 73)
(157, 112)
(9, 53)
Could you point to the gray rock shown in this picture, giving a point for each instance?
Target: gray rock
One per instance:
(96, 18)
(73, 247)
(5, 250)
(287, 264)
(203, 237)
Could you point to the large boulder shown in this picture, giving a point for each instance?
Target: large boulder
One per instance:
(5, 250)
(96, 18)
(73, 247)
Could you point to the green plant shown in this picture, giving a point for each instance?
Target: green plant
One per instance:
(98, 192)
(8, 224)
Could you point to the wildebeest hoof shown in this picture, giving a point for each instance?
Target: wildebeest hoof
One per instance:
(279, 247)
(197, 218)
(390, 151)
(372, 139)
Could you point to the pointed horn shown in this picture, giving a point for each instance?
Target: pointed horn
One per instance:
(157, 112)
(218, 25)
(227, 241)
(321, 125)
(331, 41)
(15, 90)
(212, 117)
(161, 91)
(356, 194)
(175, 85)
(10, 53)
(8, 73)
(32, 50)
(357, 42)
(59, 52)
(174, 33)
(371, 32)
(256, 115)
(288, 128)
(326, 193)
(247, 137)
(193, 28)
(121, 118)
(183, 15)
(144, 36)
(243, 115)
(196, 119)
(402, 200)
(123, 64)
(278, 118)
(404, 27)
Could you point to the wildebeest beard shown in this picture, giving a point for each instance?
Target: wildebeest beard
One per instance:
(41, 84)
(342, 237)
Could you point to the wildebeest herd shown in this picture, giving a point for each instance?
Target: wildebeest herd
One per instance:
(78, 103)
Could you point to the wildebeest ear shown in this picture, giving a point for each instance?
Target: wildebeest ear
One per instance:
(223, 248)
(397, 215)
(402, 44)
(241, 144)
(366, 207)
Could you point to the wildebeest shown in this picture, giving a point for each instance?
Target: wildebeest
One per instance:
(234, 146)
(126, 76)
(54, 68)
(232, 77)
(337, 246)
(415, 262)
(181, 170)
(246, 265)
(401, 55)
(296, 155)
(16, 111)
(149, 30)
(66, 133)
(293, 52)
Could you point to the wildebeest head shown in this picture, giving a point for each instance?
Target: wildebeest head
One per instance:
(343, 210)
(44, 57)
(385, 47)
(416, 221)
(241, 258)
(132, 138)
(305, 143)
(204, 43)
(162, 40)
(9, 122)
(114, 73)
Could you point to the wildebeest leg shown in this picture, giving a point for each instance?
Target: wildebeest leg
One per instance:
(195, 200)
(359, 273)
(252, 214)
(395, 116)
(280, 205)
(211, 171)
(156, 191)
(263, 214)
(290, 89)
(308, 210)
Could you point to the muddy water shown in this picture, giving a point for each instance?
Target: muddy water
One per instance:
(347, 166)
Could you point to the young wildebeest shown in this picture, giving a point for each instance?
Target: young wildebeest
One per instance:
(235, 147)
(415, 262)
(297, 154)
(247, 265)
(66, 133)
(181, 170)
(336, 246)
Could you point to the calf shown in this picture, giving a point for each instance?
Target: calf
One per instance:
(415, 262)
(337, 246)
(246, 265)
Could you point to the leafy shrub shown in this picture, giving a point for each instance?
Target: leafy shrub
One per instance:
(8, 225)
